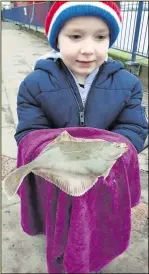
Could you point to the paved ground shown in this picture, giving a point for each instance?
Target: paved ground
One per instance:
(22, 253)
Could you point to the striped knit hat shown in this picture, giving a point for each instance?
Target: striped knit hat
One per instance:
(61, 12)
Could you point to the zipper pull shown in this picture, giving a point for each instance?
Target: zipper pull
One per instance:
(81, 113)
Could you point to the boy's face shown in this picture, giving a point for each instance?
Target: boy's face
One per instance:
(83, 43)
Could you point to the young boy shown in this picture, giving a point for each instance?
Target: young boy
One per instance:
(80, 86)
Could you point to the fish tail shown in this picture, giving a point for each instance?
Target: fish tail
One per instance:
(13, 181)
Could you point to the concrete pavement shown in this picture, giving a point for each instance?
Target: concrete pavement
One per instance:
(22, 253)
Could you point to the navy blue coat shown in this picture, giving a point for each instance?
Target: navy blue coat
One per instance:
(48, 98)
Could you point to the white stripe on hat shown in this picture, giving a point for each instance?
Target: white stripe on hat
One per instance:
(94, 4)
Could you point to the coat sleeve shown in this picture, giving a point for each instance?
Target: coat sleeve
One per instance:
(30, 114)
(132, 122)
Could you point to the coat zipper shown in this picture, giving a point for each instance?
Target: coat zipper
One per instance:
(81, 110)
(90, 90)
(82, 113)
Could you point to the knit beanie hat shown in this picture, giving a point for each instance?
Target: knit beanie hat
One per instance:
(61, 12)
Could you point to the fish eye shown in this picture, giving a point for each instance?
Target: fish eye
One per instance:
(118, 145)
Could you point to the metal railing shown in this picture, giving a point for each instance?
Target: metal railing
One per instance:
(133, 37)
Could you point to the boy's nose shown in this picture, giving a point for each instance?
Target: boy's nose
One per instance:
(87, 48)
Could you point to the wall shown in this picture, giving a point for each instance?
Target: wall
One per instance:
(24, 3)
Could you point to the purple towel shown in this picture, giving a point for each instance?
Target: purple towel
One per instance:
(85, 233)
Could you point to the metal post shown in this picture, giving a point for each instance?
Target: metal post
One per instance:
(34, 13)
(28, 16)
(45, 9)
(137, 30)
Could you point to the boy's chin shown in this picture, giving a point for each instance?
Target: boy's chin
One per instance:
(82, 75)
(85, 71)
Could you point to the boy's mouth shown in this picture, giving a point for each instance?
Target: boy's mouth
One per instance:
(85, 63)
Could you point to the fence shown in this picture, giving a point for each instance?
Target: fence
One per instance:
(133, 37)
(31, 15)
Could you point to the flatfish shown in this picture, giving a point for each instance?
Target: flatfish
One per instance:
(72, 164)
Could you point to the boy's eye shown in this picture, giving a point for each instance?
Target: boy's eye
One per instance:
(101, 37)
(75, 37)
